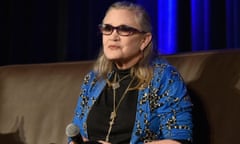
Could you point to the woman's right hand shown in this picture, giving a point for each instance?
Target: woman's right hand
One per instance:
(84, 139)
(103, 142)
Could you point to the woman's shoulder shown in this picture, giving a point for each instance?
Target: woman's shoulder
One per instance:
(90, 76)
(159, 62)
(162, 66)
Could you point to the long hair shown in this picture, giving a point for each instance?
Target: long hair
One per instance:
(142, 70)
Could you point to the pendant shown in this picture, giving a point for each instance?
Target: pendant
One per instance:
(111, 122)
(113, 115)
(112, 119)
(115, 85)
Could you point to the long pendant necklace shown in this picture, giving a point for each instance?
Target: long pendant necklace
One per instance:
(116, 84)
(113, 114)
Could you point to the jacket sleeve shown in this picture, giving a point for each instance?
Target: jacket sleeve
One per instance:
(174, 105)
(82, 103)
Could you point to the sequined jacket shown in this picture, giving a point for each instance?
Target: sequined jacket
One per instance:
(163, 108)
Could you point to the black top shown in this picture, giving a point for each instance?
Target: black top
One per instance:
(99, 115)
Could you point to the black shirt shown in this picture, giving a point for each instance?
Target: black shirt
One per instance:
(99, 115)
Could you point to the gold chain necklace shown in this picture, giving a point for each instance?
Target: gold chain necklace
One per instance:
(115, 108)
(116, 84)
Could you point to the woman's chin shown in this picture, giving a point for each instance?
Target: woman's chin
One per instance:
(113, 58)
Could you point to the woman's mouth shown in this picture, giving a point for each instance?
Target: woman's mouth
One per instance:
(113, 47)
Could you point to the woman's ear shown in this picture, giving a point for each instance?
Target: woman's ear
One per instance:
(145, 41)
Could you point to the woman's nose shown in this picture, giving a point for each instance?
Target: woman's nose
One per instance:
(115, 36)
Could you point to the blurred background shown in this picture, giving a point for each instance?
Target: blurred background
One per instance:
(43, 31)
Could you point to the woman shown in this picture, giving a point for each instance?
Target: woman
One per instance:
(132, 96)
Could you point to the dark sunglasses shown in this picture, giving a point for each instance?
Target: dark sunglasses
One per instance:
(122, 30)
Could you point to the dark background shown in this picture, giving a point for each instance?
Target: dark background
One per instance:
(42, 31)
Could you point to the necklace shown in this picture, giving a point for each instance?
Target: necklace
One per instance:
(115, 107)
(116, 84)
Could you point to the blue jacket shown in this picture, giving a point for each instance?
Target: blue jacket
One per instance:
(163, 108)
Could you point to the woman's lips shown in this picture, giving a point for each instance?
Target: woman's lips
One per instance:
(113, 47)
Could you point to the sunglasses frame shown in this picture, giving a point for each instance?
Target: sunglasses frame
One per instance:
(121, 30)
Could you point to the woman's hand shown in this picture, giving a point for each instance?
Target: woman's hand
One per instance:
(103, 142)
(85, 140)
(163, 142)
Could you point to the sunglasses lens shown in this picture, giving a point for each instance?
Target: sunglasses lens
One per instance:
(125, 30)
(106, 29)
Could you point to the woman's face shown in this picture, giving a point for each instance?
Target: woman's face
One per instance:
(125, 51)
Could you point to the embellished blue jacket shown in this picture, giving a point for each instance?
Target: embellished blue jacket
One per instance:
(163, 107)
